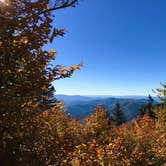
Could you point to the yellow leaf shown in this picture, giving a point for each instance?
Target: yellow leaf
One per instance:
(52, 53)
(25, 41)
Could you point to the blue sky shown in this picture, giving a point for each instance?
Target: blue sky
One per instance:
(121, 42)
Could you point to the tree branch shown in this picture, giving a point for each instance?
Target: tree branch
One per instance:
(65, 5)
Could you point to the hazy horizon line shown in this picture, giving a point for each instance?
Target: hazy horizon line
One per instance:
(128, 95)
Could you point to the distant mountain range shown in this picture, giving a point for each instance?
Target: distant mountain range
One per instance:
(80, 107)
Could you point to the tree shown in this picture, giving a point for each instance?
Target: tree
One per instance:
(26, 74)
(118, 115)
(147, 108)
(160, 109)
(161, 93)
(150, 106)
(142, 110)
(98, 123)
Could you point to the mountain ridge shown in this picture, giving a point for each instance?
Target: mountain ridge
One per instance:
(80, 107)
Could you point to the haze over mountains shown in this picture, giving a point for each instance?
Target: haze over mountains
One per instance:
(80, 107)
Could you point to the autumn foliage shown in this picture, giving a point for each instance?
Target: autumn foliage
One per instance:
(35, 129)
(140, 142)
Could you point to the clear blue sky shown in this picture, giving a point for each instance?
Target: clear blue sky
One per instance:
(121, 42)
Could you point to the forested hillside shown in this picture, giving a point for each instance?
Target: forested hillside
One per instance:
(82, 109)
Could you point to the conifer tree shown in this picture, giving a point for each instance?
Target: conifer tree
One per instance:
(118, 115)
(160, 110)
(161, 92)
(142, 110)
(150, 106)
(147, 108)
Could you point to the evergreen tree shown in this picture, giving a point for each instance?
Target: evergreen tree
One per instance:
(118, 115)
(161, 93)
(142, 110)
(160, 109)
(150, 106)
(147, 108)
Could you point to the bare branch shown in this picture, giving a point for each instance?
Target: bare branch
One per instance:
(64, 5)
